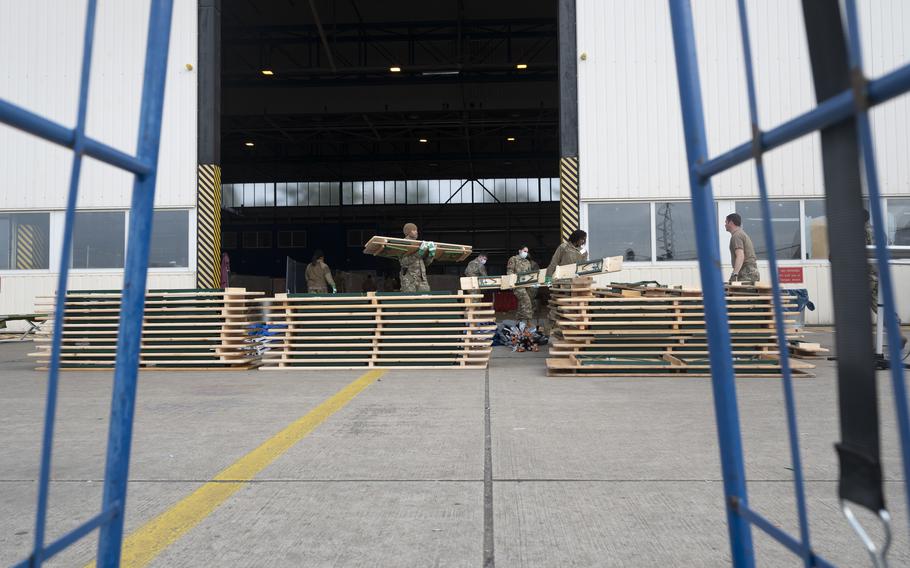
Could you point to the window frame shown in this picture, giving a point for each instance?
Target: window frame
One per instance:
(53, 253)
(724, 207)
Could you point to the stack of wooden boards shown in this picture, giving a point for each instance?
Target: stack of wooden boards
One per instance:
(181, 330)
(392, 247)
(646, 330)
(378, 330)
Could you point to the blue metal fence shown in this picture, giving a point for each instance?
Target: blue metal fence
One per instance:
(741, 517)
(145, 166)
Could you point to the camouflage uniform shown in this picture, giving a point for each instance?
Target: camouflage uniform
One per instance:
(475, 268)
(567, 253)
(319, 277)
(517, 265)
(873, 272)
(748, 272)
(414, 273)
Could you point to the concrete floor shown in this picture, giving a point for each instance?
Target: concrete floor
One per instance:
(585, 472)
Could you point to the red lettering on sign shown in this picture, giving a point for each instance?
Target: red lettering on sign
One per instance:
(790, 274)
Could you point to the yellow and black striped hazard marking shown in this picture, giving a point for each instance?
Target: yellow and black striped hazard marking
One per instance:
(569, 219)
(208, 226)
(31, 247)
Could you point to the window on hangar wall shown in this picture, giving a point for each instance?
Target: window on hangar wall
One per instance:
(24, 241)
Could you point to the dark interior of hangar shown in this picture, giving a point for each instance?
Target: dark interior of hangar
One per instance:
(341, 119)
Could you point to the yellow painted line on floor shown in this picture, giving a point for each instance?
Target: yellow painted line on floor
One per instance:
(141, 547)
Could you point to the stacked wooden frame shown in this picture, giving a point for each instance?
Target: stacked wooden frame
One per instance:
(437, 330)
(636, 331)
(181, 330)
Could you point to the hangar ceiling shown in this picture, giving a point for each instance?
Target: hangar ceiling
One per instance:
(333, 90)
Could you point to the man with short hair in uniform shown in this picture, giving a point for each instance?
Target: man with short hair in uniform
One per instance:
(742, 252)
(319, 275)
(516, 265)
(414, 265)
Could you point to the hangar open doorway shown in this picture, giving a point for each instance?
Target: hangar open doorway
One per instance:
(341, 119)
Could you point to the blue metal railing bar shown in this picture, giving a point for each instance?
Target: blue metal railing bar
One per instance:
(110, 520)
(804, 544)
(824, 114)
(57, 340)
(782, 537)
(718, 329)
(701, 169)
(72, 537)
(135, 274)
(41, 127)
(881, 249)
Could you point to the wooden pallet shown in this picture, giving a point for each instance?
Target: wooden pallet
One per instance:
(392, 247)
(441, 330)
(181, 330)
(667, 366)
(649, 330)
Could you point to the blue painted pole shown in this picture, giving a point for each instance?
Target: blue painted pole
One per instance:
(783, 347)
(722, 376)
(134, 283)
(53, 377)
(882, 255)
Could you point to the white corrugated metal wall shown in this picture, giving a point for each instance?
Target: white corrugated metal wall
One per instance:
(40, 59)
(630, 128)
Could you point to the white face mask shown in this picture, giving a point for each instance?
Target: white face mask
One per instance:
(523, 254)
(482, 260)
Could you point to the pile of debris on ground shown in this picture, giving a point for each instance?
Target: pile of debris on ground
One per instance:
(519, 337)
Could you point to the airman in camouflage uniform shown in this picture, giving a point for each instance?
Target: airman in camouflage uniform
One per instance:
(517, 264)
(414, 265)
(569, 252)
(477, 267)
(747, 269)
(873, 268)
(319, 275)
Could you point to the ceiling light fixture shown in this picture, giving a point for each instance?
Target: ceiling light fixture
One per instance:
(521, 66)
(395, 69)
(268, 72)
(423, 140)
(511, 139)
(250, 144)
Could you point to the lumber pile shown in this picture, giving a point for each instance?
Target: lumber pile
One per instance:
(654, 331)
(440, 330)
(181, 330)
(393, 247)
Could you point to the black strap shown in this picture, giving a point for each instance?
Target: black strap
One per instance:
(860, 465)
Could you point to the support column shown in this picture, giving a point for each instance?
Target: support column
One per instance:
(569, 195)
(208, 176)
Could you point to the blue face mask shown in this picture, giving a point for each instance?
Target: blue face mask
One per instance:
(523, 254)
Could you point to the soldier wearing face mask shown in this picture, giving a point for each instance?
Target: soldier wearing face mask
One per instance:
(477, 267)
(518, 264)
